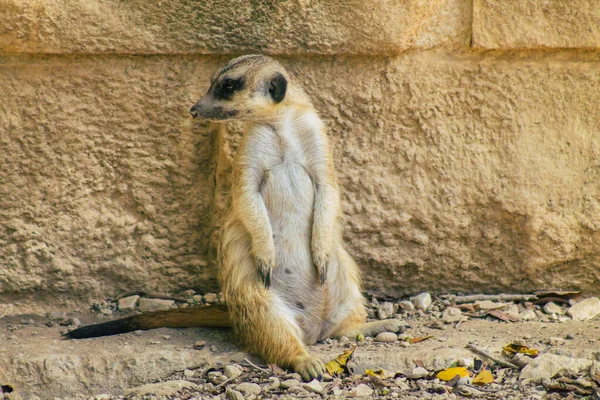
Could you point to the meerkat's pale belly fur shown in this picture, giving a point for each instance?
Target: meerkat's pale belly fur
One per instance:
(288, 190)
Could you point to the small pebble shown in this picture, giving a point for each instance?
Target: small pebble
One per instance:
(361, 390)
(274, 383)
(210, 298)
(199, 344)
(552, 308)
(216, 378)
(232, 371)
(386, 337)
(106, 311)
(197, 299)
(570, 336)
(451, 315)
(314, 386)
(289, 383)
(586, 309)
(128, 303)
(385, 310)
(155, 304)
(407, 305)
(422, 301)
(249, 388)
(232, 394)
(418, 372)
(188, 373)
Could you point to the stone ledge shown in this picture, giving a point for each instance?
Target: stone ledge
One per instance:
(517, 24)
(230, 27)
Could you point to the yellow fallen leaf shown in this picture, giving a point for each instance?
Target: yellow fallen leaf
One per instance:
(512, 348)
(420, 339)
(484, 377)
(379, 373)
(339, 365)
(450, 373)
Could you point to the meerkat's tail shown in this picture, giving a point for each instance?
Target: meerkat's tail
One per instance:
(216, 316)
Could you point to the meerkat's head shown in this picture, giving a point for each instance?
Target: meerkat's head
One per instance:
(248, 88)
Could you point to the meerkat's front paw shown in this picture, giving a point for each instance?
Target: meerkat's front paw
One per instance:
(391, 325)
(309, 367)
(265, 269)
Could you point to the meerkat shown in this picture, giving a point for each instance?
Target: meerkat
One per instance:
(286, 277)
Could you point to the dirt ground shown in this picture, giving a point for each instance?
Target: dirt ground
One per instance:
(36, 362)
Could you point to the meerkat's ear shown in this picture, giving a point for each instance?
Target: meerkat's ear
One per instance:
(277, 87)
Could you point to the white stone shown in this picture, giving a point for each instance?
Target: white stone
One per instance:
(385, 310)
(361, 390)
(512, 310)
(407, 305)
(314, 386)
(168, 388)
(249, 388)
(155, 304)
(232, 371)
(386, 337)
(422, 301)
(451, 314)
(210, 298)
(547, 365)
(552, 308)
(528, 315)
(216, 378)
(288, 383)
(417, 373)
(402, 384)
(232, 394)
(586, 309)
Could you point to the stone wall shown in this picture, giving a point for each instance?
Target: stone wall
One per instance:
(466, 137)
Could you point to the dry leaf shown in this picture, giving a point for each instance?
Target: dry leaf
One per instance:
(504, 316)
(379, 373)
(339, 366)
(484, 377)
(276, 369)
(512, 348)
(448, 374)
(420, 339)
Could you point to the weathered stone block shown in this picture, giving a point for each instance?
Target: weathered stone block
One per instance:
(458, 173)
(230, 26)
(516, 24)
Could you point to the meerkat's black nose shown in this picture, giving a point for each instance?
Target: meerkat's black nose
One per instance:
(194, 111)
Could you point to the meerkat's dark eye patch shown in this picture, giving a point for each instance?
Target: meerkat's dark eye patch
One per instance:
(277, 87)
(225, 89)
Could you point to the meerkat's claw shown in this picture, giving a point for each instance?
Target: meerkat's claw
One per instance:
(321, 265)
(265, 271)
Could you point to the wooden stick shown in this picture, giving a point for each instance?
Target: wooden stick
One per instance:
(257, 367)
(492, 297)
(487, 354)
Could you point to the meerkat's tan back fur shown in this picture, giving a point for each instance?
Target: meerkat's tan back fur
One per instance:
(286, 277)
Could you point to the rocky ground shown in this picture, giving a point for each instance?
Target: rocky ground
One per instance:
(538, 346)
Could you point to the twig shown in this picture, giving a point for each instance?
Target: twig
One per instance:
(485, 353)
(492, 297)
(257, 367)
